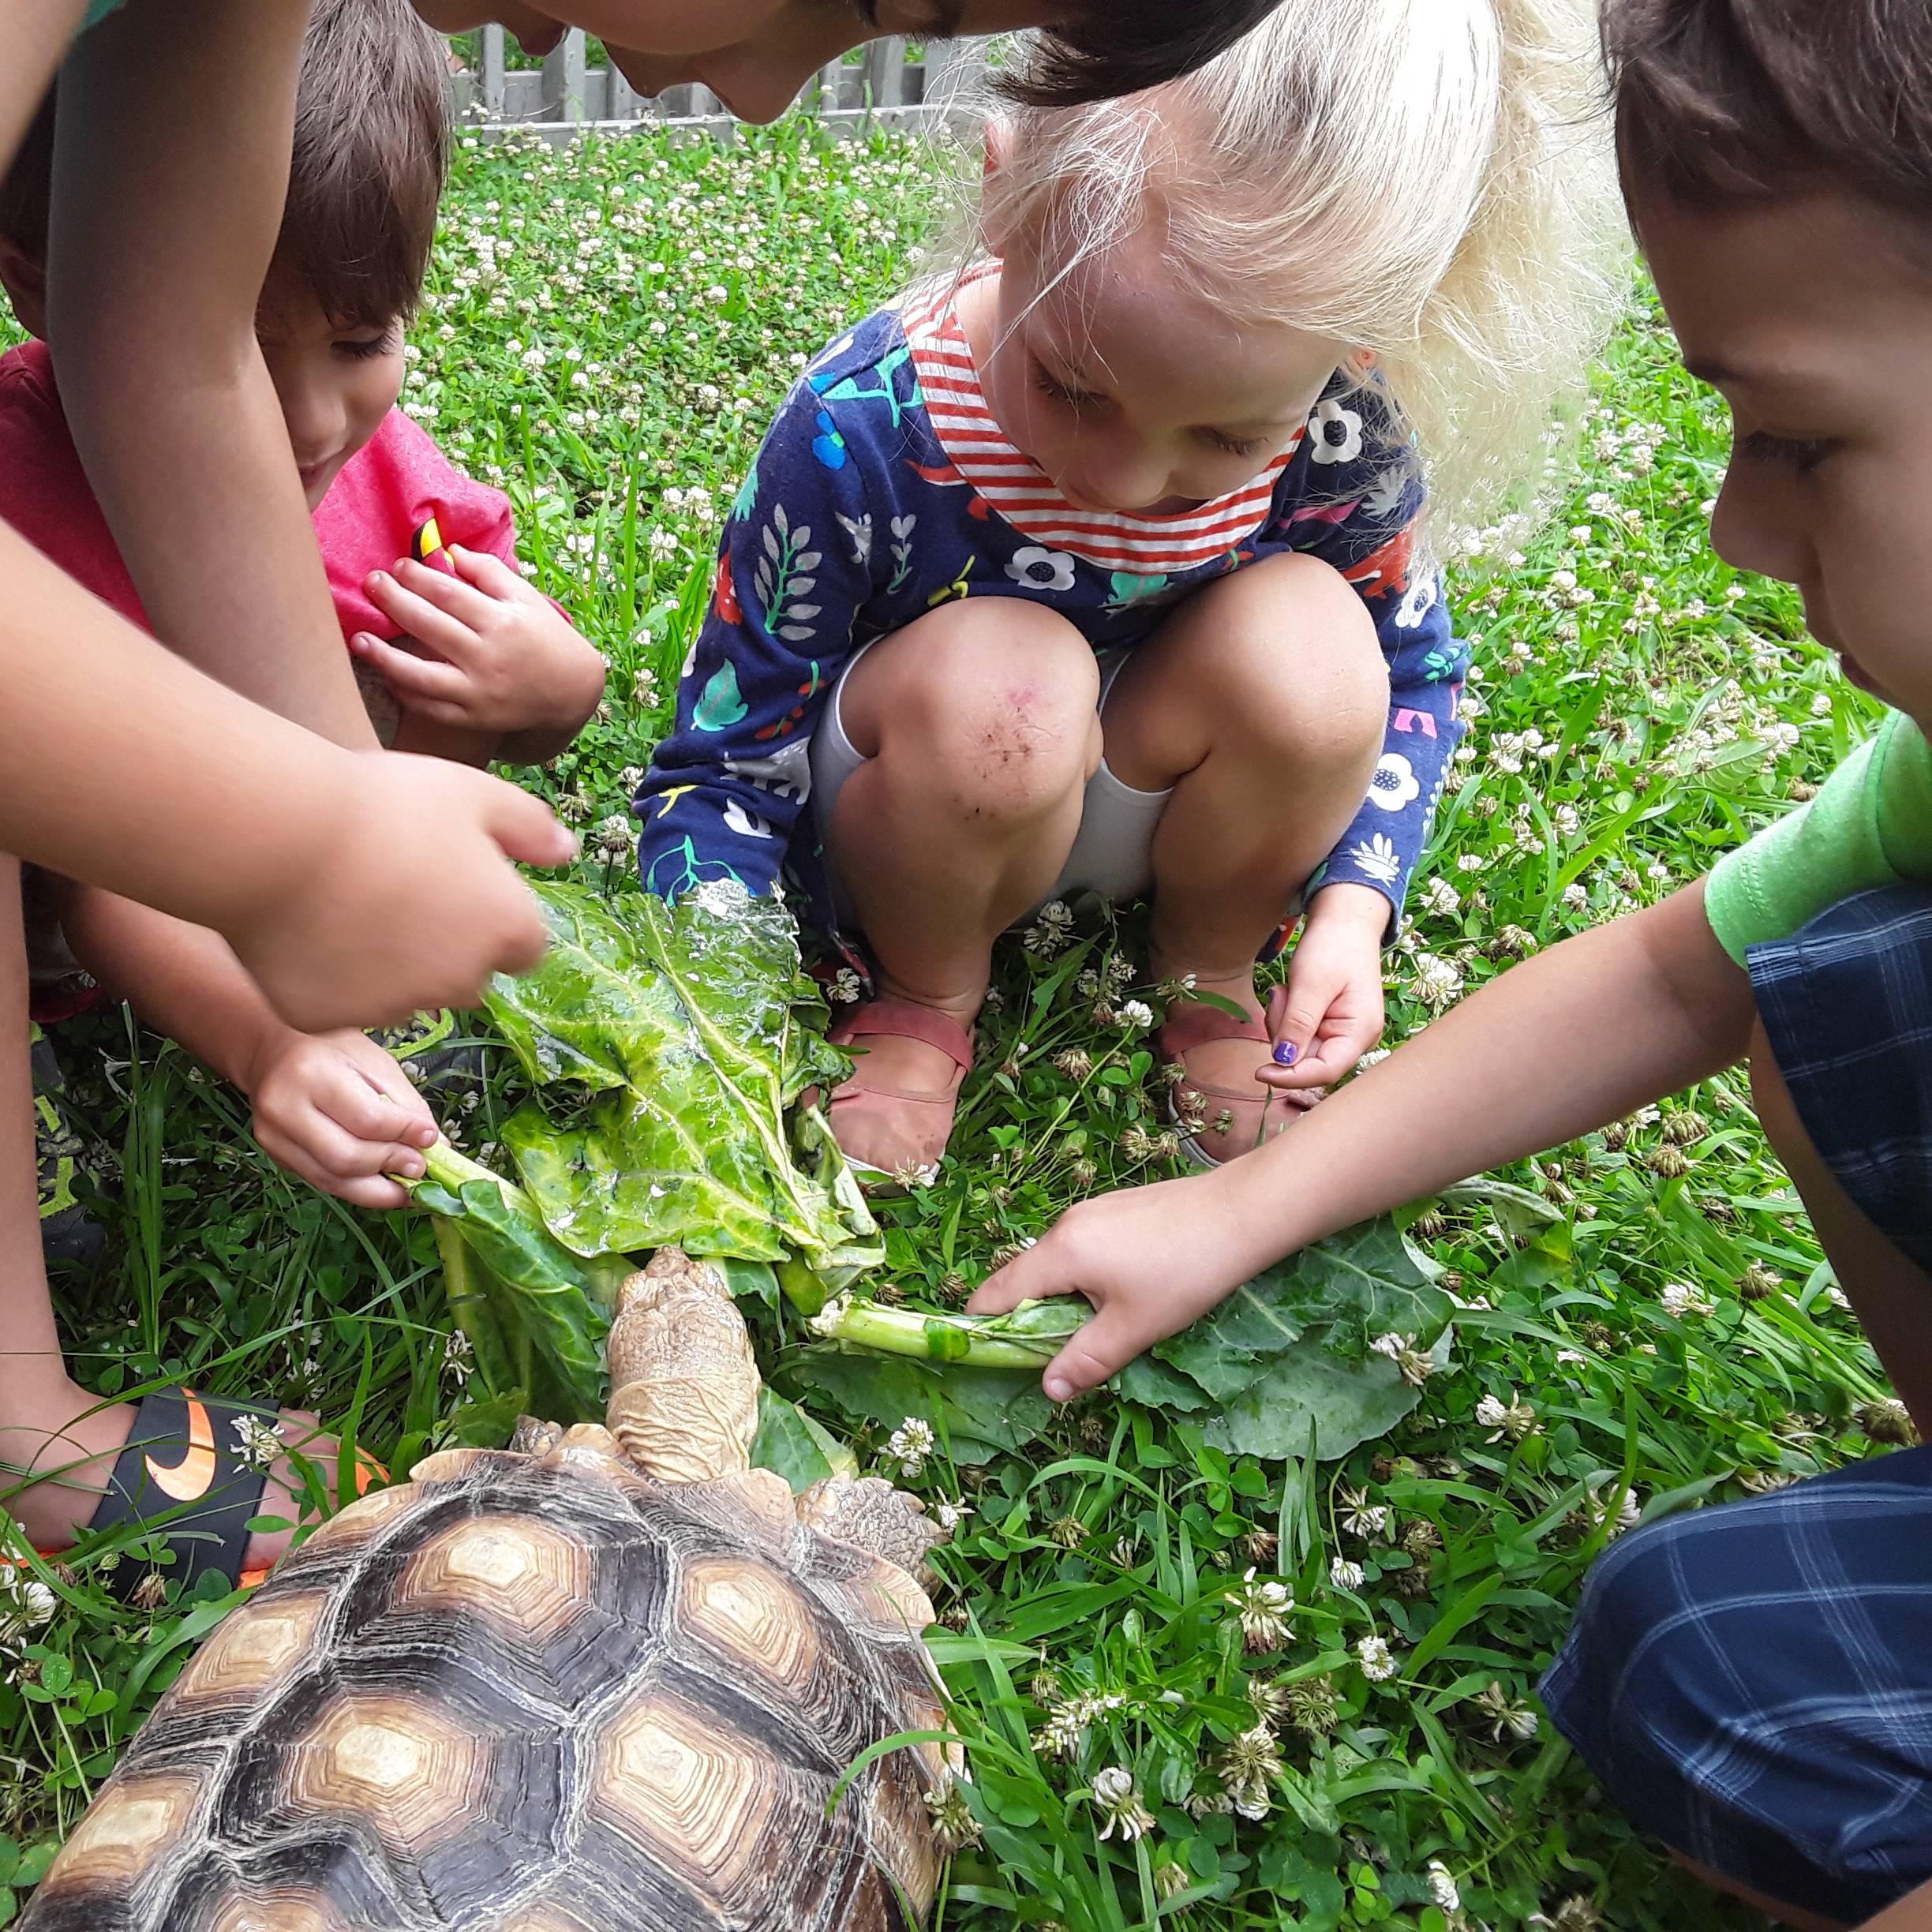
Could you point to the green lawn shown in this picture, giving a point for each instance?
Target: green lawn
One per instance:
(608, 331)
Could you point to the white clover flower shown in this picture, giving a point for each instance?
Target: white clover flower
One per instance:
(1517, 1718)
(611, 840)
(1441, 898)
(1565, 819)
(950, 1515)
(663, 543)
(1378, 1661)
(845, 987)
(1514, 1419)
(458, 1356)
(1116, 1798)
(1438, 982)
(1346, 1576)
(1135, 1015)
(910, 1444)
(1360, 1517)
(259, 1441)
(1682, 1298)
(1443, 1887)
(1264, 1609)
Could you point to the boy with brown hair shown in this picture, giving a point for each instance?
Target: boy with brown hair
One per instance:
(462, 658)
(1752, 1682)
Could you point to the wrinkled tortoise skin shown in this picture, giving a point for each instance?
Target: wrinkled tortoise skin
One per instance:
(532, 1694)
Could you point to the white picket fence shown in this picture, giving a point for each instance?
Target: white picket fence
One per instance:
(566, 97)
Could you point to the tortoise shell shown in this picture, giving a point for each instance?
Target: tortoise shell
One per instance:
(534, 1694)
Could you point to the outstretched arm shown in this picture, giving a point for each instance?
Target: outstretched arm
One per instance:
(128, 768)
(1567, 1041)
(172, 142)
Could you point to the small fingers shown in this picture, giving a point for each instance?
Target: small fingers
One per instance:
(492, 576)
(453, 595)
(1098, 1352)
(1033, 1276)
(372, 1189)
(417, 680)
(448, 636)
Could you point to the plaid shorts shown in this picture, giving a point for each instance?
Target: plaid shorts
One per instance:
(1753, 1684)
(1847, 1005)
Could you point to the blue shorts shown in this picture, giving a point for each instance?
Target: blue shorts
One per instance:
(1753, 1684)
(1847, 1005)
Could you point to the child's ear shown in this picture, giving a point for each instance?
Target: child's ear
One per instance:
(23, 277)
(995, 228)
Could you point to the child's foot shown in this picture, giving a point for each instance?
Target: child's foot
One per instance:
(1222, 1104)
(63, 1446)
(894, 1116)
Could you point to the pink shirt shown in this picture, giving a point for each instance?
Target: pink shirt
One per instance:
(372, 516)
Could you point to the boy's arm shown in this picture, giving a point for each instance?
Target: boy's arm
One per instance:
(172, 147)
(1576, 1037)
(334, 1109)
(356, 888)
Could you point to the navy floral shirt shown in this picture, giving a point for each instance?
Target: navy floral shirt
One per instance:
(884, 488)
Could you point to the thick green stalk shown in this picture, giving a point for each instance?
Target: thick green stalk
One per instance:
(1029, 1337)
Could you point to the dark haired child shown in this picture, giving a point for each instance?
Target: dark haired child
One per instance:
(465, 660)
(1753, 1684)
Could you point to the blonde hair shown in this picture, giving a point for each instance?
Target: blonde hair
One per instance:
(1431, 182)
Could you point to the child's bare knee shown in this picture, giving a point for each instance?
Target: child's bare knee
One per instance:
(997, 705)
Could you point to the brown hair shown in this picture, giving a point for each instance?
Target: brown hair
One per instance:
(1124, 46)
(372, 143)
(1720, 99)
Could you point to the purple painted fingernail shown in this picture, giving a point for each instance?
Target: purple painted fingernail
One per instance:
(1284, 1053)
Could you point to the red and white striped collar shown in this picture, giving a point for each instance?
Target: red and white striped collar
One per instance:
(1022, 493)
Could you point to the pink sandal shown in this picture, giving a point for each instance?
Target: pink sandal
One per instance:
(1270, 1112)
(919, 1120)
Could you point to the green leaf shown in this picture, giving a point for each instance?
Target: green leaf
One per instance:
(1349, 1399)
(790, 1443)
(975, 1413)
(533, 1312)
(1357, 1285)
(668, 1044)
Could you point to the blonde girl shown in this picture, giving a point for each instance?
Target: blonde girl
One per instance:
(1105, 565)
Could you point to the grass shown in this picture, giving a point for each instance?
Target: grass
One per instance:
(607, 331)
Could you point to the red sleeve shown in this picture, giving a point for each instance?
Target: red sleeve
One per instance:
(401, 496)
(43, 489)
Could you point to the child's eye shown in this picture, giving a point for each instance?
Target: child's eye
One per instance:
(1235, 445)
(1050, 385)
(1787, 452)
(365, 349)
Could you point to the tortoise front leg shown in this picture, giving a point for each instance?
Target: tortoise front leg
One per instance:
(868, 1512)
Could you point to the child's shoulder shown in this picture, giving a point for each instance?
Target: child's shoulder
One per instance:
(869, 345)
(400, 482)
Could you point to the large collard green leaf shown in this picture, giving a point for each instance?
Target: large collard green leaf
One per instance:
(975, 1413)
(668, 1044)
(535, 1314)
(1349, 1400)
(1363, 1283)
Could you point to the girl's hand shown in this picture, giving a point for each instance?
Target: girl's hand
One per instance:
(1331, 1011)
(1150, 1260)
(337, 1112)
(504, 662)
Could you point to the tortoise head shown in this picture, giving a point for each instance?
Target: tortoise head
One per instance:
(684, 1385)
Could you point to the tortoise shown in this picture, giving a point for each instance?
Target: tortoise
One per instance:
(606, 1680)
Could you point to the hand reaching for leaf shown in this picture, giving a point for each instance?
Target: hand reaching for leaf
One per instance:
(504, 661)
(1150, 1260)
(339, 1113)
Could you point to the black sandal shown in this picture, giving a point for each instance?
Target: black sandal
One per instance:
(185, 1474)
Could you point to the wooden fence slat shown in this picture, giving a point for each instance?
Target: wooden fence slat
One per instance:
(493, 72)
(569, 97)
